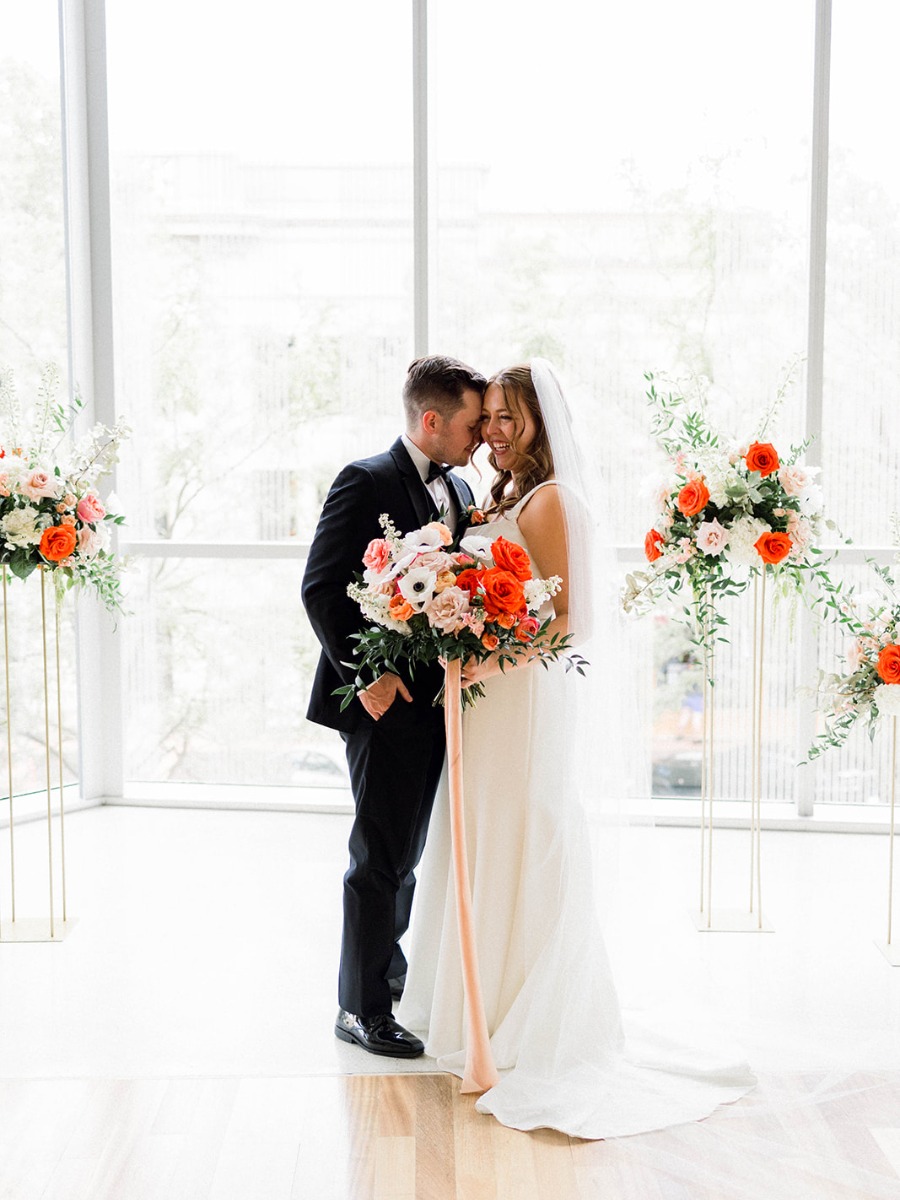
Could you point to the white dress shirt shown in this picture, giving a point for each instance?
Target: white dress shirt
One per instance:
(439, 487)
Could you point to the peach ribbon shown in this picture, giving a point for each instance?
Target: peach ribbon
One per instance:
(480, 1072)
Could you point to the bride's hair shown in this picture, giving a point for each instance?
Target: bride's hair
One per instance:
(520, 396)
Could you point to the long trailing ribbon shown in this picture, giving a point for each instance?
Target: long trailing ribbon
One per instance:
(480, 1073)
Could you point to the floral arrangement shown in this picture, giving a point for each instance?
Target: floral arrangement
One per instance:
(869, 688)
(51, 512)
(426, 601)
(726, 511)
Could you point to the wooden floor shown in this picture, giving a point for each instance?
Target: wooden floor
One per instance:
(403, 1137)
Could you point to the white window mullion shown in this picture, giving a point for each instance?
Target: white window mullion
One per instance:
(815, 353)
(89, 298)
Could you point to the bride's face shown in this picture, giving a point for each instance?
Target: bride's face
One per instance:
(509, 433)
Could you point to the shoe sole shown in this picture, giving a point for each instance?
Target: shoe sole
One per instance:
(348, 1037)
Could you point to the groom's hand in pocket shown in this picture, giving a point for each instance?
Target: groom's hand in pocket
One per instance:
(380, 695)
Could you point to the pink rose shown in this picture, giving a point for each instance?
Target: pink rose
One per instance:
(38, 485)
(89, 542)
(90, 510)
(712, 537)
(376, 557)
(435, 560)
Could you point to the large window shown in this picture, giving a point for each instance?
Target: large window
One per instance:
(621, 189)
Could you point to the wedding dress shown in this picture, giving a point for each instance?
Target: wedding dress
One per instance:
(552, 1010)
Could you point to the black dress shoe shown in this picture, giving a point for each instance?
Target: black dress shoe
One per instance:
(378, 1035)
(396, 986)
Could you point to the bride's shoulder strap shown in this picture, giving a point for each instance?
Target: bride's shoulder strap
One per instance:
(520, 504)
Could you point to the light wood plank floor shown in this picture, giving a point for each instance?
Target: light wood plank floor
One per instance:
(416, 1138)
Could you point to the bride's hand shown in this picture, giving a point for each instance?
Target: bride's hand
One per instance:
(476, 672)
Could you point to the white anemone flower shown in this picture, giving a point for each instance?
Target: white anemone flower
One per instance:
(478, 546)
(417, 586)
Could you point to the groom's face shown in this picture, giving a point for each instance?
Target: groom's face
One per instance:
(456, 439)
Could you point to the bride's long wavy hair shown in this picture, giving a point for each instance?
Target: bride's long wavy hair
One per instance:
(520, 396)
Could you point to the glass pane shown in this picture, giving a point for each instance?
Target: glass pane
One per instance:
(262, 242)
(625, 188)
(32, 233)
(33, 332)
(219, 661)
(862, 330)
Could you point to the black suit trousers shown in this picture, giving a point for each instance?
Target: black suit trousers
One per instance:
(395, 764)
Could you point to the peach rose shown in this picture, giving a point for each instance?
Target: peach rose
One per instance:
(773, 547)
(503, 593)
(401, 609)
(490, 641)
(652, 543)
(446, 610)
(693, 497)
(445, 580)
(90, 510)
(506, 620)
(510, 556)
(888, 665)
(762, 457)
(376, 557)
(4, 484)
(57, 542)
(444, 533)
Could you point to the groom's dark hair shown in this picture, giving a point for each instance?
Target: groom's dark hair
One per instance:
(438, 383)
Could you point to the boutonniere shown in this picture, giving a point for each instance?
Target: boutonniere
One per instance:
(474, 515)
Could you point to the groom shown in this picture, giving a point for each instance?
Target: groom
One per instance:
(393, 734)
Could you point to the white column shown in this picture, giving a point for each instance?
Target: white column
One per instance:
(89, 288)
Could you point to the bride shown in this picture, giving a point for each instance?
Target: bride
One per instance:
(537, 750)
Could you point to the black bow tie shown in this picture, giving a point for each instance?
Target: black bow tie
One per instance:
(435, 471)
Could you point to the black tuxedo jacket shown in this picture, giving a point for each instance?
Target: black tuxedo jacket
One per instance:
(387, 483)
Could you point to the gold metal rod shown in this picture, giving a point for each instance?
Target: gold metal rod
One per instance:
(59, 748)
(9, 759)
(759, 737)
(704, 780)
(891, 835)
(47, 745)
(753, 730)
(712, 756)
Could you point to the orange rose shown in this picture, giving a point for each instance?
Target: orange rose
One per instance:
(762, 457)
(509, 556)
(693, 497)
(652, 543)
(401, 609)
(502, 592)
(888, 665)
(506, 620)
(490, 641)
(58, 542)
(470, 579)
(773, 547)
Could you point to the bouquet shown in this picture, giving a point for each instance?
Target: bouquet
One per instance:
(727, 511)
(51, 512)
(869, 688)
(427, 602)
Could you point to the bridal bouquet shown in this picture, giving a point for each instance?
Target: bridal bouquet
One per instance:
(51, 512)
(426, 601)
(869, 687)
(727, 511)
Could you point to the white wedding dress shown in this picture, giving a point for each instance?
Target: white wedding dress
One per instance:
(551, 1004)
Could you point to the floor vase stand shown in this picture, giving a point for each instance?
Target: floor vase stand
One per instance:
(711, 917)
(890, 948)
(55, 925)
